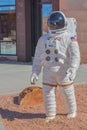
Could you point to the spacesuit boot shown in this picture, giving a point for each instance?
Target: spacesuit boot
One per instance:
(70, 101)
(49, 95)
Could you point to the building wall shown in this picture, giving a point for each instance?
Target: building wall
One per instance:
(78, 10)
(20, 27)
(46, 1)
(72, 8)
(23, 27)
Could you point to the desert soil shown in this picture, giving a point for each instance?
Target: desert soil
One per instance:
(32, 117)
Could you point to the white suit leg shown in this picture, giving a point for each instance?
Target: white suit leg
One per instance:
(49, 94)
(70, 101)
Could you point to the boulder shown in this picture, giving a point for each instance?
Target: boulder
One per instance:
(32, 95)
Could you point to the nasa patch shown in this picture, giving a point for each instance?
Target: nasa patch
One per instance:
(73, 39)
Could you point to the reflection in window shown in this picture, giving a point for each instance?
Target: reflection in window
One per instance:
(7, 27)
(46, 10)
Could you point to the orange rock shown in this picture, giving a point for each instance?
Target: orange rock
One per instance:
(31, 96)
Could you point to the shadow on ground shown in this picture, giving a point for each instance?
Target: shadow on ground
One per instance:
(11, 115)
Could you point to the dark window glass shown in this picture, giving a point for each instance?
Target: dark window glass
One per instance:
(7, 27)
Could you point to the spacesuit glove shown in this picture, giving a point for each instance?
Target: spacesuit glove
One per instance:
(34, 78)
(72, 73)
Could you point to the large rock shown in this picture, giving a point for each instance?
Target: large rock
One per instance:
(31, 96)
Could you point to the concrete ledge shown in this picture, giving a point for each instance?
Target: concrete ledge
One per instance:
(8, 57)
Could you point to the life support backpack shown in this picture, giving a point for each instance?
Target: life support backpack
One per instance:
(72, 26)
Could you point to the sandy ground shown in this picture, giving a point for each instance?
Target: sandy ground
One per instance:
(32, 117)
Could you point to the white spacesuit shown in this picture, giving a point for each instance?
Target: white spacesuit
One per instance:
(58, 53)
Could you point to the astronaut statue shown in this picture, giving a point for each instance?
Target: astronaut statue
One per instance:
(57, 52)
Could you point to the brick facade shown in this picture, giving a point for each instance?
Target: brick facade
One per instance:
(22, 44)
(78, 9)
(20, 24)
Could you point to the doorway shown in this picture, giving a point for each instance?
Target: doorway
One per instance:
(36, 23)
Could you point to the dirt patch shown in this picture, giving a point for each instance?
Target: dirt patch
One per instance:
(32, 117)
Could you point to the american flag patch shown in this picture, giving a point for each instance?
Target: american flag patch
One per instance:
(73, 39)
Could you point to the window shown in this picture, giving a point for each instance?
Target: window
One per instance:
(46, 10)
(7, 27)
